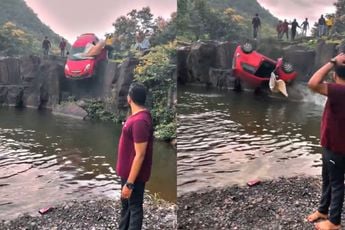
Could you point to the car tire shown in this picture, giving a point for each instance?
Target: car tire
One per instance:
(247, 48)
(287, 67)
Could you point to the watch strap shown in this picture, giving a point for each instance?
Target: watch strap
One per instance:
(130, 185)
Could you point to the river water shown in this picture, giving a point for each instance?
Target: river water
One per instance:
(227, 138)
(46, 159)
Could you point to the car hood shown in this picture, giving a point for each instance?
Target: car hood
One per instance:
(79, 65)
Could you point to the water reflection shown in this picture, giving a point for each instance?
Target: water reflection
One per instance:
(226, 138)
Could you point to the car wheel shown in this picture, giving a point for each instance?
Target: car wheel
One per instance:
(247, 47)
(287, 67)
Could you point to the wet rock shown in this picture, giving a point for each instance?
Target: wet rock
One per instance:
(324, 52)
(302, 59)
(70, 109)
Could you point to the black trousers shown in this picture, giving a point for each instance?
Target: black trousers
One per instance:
(333, 169)
(132, 208)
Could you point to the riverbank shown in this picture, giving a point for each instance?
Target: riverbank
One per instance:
(278, 204)
(95, 214)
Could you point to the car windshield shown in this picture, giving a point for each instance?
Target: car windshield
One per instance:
(76, 53)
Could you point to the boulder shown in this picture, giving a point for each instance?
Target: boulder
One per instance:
(221, 78)
(15, 95)
(324, 52)
(10, 71)
(182, 67)
(116, 101)
(201, 58)
(70, 109)
(302, 59)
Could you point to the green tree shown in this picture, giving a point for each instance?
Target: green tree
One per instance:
(13, 40)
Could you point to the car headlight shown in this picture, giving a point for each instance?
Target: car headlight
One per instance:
(87, 67)
(66, 67)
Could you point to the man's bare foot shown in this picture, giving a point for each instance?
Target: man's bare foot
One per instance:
(327, 225)
(316, 216)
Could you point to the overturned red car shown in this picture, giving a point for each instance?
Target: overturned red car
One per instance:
(79, 67)
(254, 69)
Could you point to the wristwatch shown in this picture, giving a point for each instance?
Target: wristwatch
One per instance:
(130, 185)
(333, 61)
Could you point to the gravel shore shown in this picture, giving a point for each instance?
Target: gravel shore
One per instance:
(279, 204)
(95, 214)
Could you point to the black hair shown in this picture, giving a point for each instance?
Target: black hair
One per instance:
(137, 92)
(340, 71)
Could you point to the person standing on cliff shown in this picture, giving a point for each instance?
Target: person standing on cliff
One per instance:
(305, 27)
(294, 26)
(46, 45)
(285, 28)
(332, 130)
(62, 47)
(256, 22)
(134, 158)
(279, 29)
(321, 26)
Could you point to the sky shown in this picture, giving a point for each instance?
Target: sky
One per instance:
(299, 9)
(70, 18)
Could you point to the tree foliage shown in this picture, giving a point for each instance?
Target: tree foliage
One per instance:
(156, 71)
(221, 20)
(26, 32)
(13, 40)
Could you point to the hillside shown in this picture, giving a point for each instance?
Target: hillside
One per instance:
(246, 8)
(30, 31)
(221, 19)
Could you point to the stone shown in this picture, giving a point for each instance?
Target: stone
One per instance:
(70, 109)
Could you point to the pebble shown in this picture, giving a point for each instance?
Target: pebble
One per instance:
(95, 214)
(278, 204)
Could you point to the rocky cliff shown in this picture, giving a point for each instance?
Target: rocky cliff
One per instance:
(209, 62)
(35, 82)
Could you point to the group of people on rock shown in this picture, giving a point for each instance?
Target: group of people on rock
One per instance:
(46, 45)
(324, 27)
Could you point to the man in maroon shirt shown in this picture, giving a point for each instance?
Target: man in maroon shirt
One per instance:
(135, 158)
(332, 141)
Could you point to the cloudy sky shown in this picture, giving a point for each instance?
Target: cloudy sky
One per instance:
(299, 9)
(72, 18)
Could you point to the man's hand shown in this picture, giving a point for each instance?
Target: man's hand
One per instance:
(126, 192)
(316, 81)
(340, 59)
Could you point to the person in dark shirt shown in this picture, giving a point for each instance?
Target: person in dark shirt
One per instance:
(46, 45)
(332, 141)
(305, 27)
(256, 22)
(321, 26)
(62, 47)
(294, 26)
(134, 158)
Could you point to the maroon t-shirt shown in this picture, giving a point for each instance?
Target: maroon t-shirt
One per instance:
(137, 129)
(333, 119)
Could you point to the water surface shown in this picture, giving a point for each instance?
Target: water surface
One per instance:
(227, 138)
(46, 159)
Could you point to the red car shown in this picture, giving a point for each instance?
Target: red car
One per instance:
(254, 69)
(78, 67)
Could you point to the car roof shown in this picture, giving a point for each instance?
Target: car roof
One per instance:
(83, 39)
